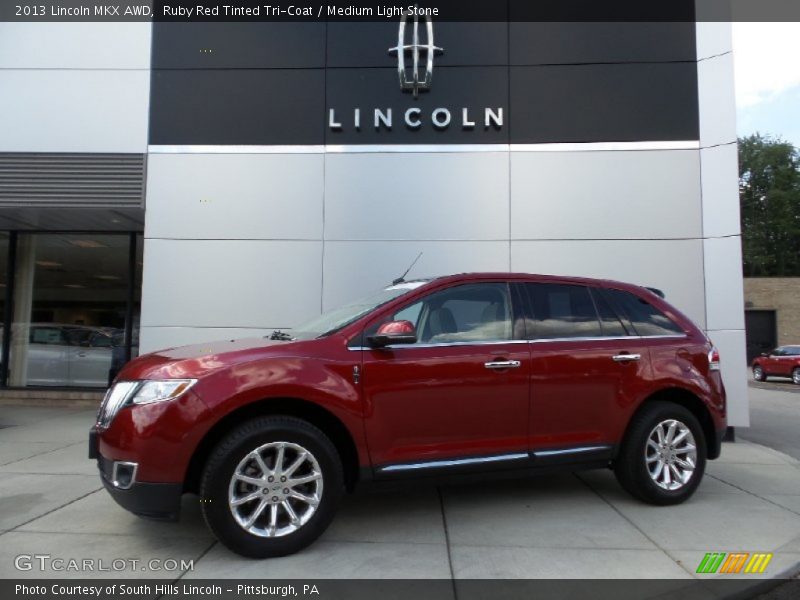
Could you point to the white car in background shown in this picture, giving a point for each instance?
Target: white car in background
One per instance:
(69, 355)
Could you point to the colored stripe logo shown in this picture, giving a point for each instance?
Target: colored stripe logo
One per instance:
(734, 563)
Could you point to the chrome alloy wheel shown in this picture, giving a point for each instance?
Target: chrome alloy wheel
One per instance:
(275, 489)
(671, 454)
(796, 376)
(758, 374)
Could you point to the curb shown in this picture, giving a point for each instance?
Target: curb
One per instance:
(764, 586)
(51, 402)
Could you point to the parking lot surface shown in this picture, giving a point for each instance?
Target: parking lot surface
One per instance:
(568, 526)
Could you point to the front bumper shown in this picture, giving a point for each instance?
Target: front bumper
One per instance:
(160, 501)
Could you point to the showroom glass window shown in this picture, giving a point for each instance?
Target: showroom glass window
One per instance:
(75, 306)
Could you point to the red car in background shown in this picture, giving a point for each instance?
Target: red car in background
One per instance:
(781, 362)
(455, 375)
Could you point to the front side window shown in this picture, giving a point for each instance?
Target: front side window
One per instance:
(645, 318)
(562, 311)
(478, 312)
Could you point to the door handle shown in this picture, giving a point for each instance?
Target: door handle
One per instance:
(502, 364)
(621, 358)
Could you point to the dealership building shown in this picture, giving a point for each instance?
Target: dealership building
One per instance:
(171, 183)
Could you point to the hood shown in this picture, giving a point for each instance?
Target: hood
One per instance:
(197, 360)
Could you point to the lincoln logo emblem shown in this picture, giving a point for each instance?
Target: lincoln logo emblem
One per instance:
(415, 49)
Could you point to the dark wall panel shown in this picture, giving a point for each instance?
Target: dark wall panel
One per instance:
(464, 44)
(576, 43)
(454, 88)
(237, 106)
(598, 103)
(238, 45)
(266, 83)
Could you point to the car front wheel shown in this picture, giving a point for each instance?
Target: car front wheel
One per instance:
(271, 486)
(663, 457)
(758, 374)
(796, 376)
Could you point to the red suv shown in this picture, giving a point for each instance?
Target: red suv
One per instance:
(447, 376)
(781, 362)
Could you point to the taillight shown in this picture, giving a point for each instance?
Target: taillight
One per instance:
(713, 359)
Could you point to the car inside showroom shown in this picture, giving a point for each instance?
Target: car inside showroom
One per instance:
(325, 286)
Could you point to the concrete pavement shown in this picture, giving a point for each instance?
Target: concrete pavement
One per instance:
(775, 415)
(567, 526)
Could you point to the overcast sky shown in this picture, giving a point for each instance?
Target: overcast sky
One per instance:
(767, 63)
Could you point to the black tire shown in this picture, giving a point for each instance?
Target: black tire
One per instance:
(225, 460)
(759, 374)
(631, 468)
(796, 376)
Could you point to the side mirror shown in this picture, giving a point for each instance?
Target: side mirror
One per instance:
(393, 332)
(765, 354)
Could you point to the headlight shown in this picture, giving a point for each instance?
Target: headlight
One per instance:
(159, 391)
(124, 393)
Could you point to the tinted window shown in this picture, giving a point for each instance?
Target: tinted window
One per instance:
(101, 340)
(645, 318)
(562, 311)
(786, 351)
(466, 313)
(609, 320)
(47, 335)
(78, 337)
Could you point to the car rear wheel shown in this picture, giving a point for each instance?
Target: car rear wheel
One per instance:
(758, 374)
(663, 456)
(271, 486)
(796, 375)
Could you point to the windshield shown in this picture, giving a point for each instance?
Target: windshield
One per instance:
(334, 320)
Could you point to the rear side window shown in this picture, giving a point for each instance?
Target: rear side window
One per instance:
(645, 318)
(562, 311)
(609, 320)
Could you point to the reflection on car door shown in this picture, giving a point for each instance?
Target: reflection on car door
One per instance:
(585, 369)
(459, 396)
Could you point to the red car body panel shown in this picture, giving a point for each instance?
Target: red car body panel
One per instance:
(781, 366)
(424, 404)
(431, 403)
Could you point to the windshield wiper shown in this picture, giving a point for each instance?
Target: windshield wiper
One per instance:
(280, 335)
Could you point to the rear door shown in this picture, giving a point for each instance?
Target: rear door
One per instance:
(586, 372)
(785, 362)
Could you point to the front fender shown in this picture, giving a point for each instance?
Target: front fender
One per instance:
(324, 382)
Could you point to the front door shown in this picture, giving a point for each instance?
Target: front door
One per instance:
(456, 399)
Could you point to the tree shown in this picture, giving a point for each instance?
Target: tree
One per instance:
(769, 194)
